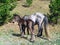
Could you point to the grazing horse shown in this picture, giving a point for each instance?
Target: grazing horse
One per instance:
(21, 23)
(29, 22)
(39, 19)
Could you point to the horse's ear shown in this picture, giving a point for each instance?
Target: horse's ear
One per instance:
(45, 15)
(15, 14)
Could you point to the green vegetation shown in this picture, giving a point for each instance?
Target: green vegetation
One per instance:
(29, 2)
(7, 37)
(5, 7)
(7, 30)
(8, 5)
(54, 10)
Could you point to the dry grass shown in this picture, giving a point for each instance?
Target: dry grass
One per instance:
(7, 37)
(7, 30)
(37, 6)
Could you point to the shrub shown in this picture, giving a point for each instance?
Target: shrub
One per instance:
(28, 2)
(54, 10)
(5, 7)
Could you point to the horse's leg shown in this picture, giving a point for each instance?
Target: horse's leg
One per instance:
(27, 29)
(32, 31)
(22, 29)
(40, 30)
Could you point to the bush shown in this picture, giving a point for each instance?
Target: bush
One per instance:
(54, 10)
(5, 7)
(28, 2)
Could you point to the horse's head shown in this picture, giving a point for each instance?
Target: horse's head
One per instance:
(16, 18)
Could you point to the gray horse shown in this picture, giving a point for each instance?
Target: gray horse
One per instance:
(39, 19)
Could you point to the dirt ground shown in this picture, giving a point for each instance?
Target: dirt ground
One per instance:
(10, 35)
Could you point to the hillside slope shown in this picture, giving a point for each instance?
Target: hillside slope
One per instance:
(10, 33)
(37, 6)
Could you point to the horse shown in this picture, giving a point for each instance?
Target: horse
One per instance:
(29, 22)
(21, 23)
(36, 19)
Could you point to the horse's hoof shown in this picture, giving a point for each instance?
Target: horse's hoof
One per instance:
(32, 40)
(49, 39)
(22, 36)
(39, 35)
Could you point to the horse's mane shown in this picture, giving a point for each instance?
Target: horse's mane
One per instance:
(17, 16)
(25, 16)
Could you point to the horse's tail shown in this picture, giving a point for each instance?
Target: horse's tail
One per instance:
(46, 25)
(45, 20)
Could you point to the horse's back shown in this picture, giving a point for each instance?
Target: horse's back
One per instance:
(34, 17)
(26, 17)
(39, 15)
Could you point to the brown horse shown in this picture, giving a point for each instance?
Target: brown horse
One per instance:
(21, 23)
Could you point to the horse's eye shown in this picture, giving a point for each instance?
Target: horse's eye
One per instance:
(14, 17)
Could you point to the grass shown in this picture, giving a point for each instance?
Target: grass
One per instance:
(7, 30)
(37, 6)
(7, 37)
